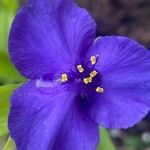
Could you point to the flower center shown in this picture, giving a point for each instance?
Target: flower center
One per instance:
(85, 76)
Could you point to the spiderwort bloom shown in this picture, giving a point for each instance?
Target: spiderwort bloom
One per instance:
(74, 84)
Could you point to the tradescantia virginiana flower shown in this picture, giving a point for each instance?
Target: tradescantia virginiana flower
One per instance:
(75, 84)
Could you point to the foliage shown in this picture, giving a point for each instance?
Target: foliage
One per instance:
(5, 92)
(9, 145)
(105, 141)
(8, 9)
(8, 73)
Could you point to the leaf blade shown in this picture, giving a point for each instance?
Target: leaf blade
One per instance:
(9, 145)
(8, 73)
(105, 141)
(5, 92)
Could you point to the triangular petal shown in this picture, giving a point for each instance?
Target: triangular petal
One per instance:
(124, 67)
(49, 36)
(52, 120)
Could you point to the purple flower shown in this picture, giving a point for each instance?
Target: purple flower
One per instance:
(75, 84)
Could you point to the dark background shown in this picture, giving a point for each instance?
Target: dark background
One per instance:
(121, 17)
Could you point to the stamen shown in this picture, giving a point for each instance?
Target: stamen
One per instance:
(99, 90)
(93, 60)
(90, 79)
(64, 77)
(93, 73)
(80, 68)
(87, 80)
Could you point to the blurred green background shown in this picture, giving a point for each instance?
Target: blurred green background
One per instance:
(124, 17)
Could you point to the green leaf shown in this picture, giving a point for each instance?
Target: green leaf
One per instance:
(3, 140)
(3, 122)
(8, 73)
(11, 5)
(10, 145)
(7, 12)
(6, 18)
(5, 92)
(105, 141)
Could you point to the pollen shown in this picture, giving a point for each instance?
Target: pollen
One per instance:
(64, 77)
(93, 60)
(87, 80)
(80, 68)
(93, 73)
(99, 90)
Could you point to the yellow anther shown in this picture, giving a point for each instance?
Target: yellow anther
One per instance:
(80, 68)
(99, 90)
(93, 60)
(90, 79)
(87, 80)
(93, 73)
(64, 77)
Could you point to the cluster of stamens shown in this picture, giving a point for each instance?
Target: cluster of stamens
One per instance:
(87, 80)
